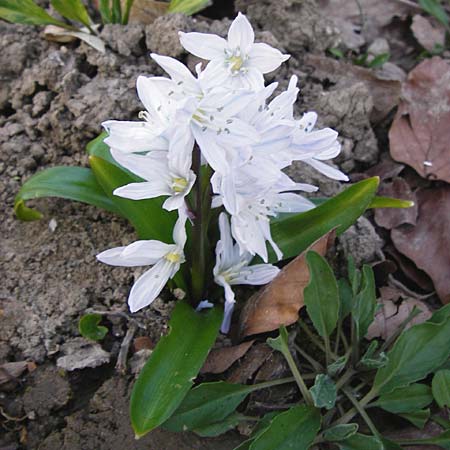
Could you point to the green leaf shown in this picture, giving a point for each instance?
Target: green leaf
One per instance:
(365, 303)
(207, 404)
(72, 10)
(405, 399)
(389, 202)
(218, 428)
(369, 361)
(443, 440)
(441, 388)
(417, 352)
(379, 60)
(345, 298)
(324, 392)
(418, 418)
(435, 9)
(337, 52)
(74, 183)
(105, 11)
(148, 217)
(27, 12)
(361, 442)
(294, 428)
(89, 328)
(175, 362)
(354, 275)
(321, 294)
(280, 343)
(389, 445)
(340, 432)
(337, 366)
(294, 233)
(116, 11)
(188, 7)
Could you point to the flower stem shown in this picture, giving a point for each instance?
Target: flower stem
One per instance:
(298, 378)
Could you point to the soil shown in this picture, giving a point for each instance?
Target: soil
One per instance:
(53, 99)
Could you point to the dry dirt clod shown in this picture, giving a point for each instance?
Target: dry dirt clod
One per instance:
(80, 354)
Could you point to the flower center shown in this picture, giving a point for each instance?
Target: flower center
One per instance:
(236, 63)
(179, 184)
(173, 257)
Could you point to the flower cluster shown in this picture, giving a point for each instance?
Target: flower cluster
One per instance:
(244, 135)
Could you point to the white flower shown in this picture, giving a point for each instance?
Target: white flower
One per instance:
(243, 61)
(166, 260)
(165, 173)
(232, 267)
(313, 147)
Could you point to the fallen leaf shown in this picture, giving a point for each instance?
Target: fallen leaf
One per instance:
(279, 302)
(385, 92)
(390, 316)
(420, 132)
(10, 371)
(59, 34)
(146, 11)
(387, 168)
(430, 430)
(391, 217)
(221, 359)
(143, 342)
(391, 294)
(428, 34)
(80, 354)
(428, 243)
(250, 363)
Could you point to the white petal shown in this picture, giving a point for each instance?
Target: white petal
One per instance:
(151, 94)
(131, 137)
(215, 155)
(204, 304)
(179, 230)
(257, 274)
(173, 203)
(225, 246)
(308, 121)
(291, 203)
(203, 45)
(145, 189)
(266, 58)
(180, 152)
(228, 310)
(147, 167)
(149, 285)
(330, 172)
(253, 79)
(228, 192)
(139, 253)
(240, 34)
(177, 71)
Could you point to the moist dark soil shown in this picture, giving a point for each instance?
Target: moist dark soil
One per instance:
(53, 99)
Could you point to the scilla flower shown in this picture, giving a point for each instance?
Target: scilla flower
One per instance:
(166, 260)
(232, 267)
(239, 58)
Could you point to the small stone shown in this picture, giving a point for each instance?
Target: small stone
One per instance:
(80, 354)
(378, 47)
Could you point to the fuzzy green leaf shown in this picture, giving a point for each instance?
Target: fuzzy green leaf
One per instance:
(27, 12)
(361, 442)
(72, 10)
(176, 360)
(89, 328)
(324, 392)
(218, 428)
(405, 399)
(321, 294)
(417, 352)
(73, 183)
(294, 233)
(340, 432)
(418, 418)
(441, 388)
(365, 303)
(295, 428)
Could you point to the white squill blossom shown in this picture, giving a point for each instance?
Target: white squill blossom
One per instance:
(165, 173)
(232, 268)
(165, 260)
(239, 58)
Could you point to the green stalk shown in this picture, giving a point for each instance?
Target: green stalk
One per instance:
(126, 14)
(352, 412)
(116, 11)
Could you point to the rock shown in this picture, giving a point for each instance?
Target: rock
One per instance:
(80, 354)
(361, 241)
(378, 47)
(162, 34)
(126, 40)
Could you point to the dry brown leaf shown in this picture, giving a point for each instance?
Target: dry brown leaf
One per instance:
(280, 301)
(390, 316)
(221, 359)
(420, 133)
(391, 217)
(387, 168)
(385, 92)
(10, 371)
(146, 11)
(250, 363)
(428, 34)
(428, 243)
(143, 342)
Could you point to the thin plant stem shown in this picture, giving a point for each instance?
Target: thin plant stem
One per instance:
(315, 364)
(126, 14)
(362, 412)
(352, 412)
(313, 338)
(328, 352)
(298, 377)
(355, 345)
(345, 378)
(271, 383)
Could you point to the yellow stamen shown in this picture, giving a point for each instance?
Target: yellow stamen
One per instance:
(236, 63)
(173, 257)
(179, 184)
